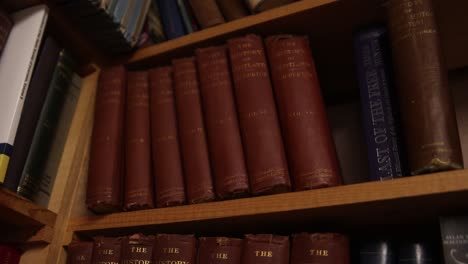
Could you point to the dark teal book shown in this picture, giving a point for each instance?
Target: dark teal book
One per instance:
(184, 12)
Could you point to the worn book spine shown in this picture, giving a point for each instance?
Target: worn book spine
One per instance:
(192, 135)
(232, 9)
(323, 248)
(171, 19)
(207, 13)
(417, 253)
(104, 174)
(167, 164)
(309, 144)
(9, 254)
(378, 102)
(138, 177)
(219, 250)
(259, 124)
(454, 231)
(107, 250)
(80, 252)
(428, 114)
(224, 139)
(371, 252)
(171, 248)
(5, 27)
(265, 249)
(262, 5)
(137, 249)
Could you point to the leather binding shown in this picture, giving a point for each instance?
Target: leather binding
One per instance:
(219, 250)
(171, 248)
(323, 248)
(138, 178)
(417, 253)
(199, 183)
(428, 117)
(224, 140)
(104, 173)
(371, 252)
(207, 13)
(9, 254)
(171, 18)
(309, 144)
(260, 128)
(5, 27)
(265, 249)
(232, 9)
(452, 228)
(107, 250)
(80, 252)
(137, 248)
(262, 5)
(167, 164)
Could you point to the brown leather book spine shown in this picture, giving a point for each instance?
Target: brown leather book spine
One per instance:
(107, 250)
(5, 27)
(265, 249)
(207, 13)
(323, 248)
(219, 250)
(199, 183)
(175, 249)
(137, 248)
(309, 144)
(167, 164)
(260, 128)
(428, 115)
(224, 140)
(138, 178)
(232, 9)
(80, 252)
(104, 193)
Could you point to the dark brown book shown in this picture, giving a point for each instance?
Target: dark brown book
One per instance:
(428, 115)
(262, 5)
(320, 248)
(224, 140)
(219, 250)
(232, 9)
(311, 152)
(175, 249)
(138, 178)
(107, 250)
(105, 175)
(265, 249)
(137, 249)
(80, 252)
(5, 27)
(167, 164)
(259, 124)
(207, 13)
(198, 181)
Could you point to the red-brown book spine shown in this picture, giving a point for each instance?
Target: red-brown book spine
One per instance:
(265, 249)
(260, 128)
(309, 144)
(207, 13)
(219, 250)
(9, 254)
(199, 183)
(167, 164)
(323, 248)
(107, 250)
(175, 249)
(138, 178)
(104, 192)
(80, 252)
(224, 140)
(137, 249)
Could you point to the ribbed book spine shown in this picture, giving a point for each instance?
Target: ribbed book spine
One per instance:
(171, 18)
(80, 252)
(219, 250)
(207, 13)
(107, 250)
(323, 248)
(137, 249)
(175, 249)
(265, 249)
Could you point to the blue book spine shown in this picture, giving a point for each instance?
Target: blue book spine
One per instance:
(379, 109)
(171, 18)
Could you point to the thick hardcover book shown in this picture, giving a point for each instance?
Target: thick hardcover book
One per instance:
(41, 78)
(371, 252)
(224, 139)
(428, 115)
(137, 248)
(207, 13)
(199, 183)
(175, 249)
(80, 252)
(262, 5)
(309, 144)
(232, 9)
(171, 18)
(138, 178)
(5, 27)
(103, 192)
(417, 253)
(16, 67)
(322, 248)
(379, 108)
(259, 124)
(219, 250)
(107, 250)
(167, 163)
(9, 254)
(265, 249)
(454, 231)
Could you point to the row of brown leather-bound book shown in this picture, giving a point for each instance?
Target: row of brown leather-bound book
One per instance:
(211, 127)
